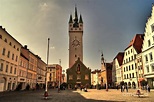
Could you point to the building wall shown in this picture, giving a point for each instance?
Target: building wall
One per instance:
(22, 71)
(78, 77)
(9, 57)
(41, 72)
(148, 50)
(32, 70)
(118, 72)
(129, 67)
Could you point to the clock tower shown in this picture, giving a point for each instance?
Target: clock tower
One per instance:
(75, 39)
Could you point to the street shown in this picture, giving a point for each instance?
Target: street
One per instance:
(92, 95)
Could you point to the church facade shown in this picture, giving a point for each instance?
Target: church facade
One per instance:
(78, 74)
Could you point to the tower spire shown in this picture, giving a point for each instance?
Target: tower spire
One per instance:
(70, 21)
(76, 14)
(80, 20)
(76, 18)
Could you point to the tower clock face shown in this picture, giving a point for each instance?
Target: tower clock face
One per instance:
(75, 43)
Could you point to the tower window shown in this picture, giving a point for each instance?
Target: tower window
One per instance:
(78, 67)
(5, 40)
(75, 55)
(10, 44)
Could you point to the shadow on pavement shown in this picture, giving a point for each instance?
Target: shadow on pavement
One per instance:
(54, 96)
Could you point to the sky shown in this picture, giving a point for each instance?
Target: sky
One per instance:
(109, 26)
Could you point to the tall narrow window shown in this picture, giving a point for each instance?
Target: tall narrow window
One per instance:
(15, 70)
(152, 67)
(12, 56)
(147, 69)
(1, 67)
(132, 67)
(8, 55)
(11, 69)
(151, 57)
(78, 67)
(6, 68)
(3, 52)
(16, 58)
(132, 75)
(146, 58)
(149, 43)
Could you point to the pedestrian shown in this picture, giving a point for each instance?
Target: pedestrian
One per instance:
(148, 88)
(121, 88)
(126, 88)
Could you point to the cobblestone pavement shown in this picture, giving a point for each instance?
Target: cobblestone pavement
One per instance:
(92, 95)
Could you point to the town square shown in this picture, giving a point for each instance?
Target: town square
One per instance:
(93, 95)
(77, 50)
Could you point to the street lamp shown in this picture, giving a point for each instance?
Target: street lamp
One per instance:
(59, 73)
(46, 86)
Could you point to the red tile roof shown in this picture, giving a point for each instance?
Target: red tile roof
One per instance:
(120, 57)
(137, 42)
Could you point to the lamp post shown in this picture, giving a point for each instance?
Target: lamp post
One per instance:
(46, 82)
(59, 72)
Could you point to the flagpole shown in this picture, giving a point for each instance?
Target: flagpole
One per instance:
(46, 81)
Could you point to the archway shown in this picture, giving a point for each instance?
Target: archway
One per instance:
(2, 84)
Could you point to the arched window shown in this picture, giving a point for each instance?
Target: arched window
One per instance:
(78, 67)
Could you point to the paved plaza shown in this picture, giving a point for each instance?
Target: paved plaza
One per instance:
(92, 95)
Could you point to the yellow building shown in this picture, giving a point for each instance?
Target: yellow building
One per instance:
(9, 57)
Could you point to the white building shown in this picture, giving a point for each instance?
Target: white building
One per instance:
(148, 50)
(9, 58)
(117, 68)
(130, 72)
(95, 77)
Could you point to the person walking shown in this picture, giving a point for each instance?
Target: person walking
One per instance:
(148, 88)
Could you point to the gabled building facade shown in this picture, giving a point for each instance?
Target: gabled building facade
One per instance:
(148, 50)
(78, 75)
(129, 67)
(117, 74)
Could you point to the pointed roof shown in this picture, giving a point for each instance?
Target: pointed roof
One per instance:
(70, 21)
(137, 42)
(120, 57)
(80, 20)
(76, 14)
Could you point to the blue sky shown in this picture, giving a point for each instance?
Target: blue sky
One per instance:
(109, 26)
